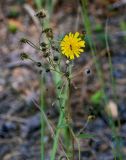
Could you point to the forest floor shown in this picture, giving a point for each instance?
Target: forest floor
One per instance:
(19, 84)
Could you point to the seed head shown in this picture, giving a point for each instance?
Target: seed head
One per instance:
(41, 14)
(23, 40)
(43, 44)
(46, 54)
(47, 70)
(44, 49)
(49, 32)
(24, 56)
(38, 64)
(55, 48)
(40, 72)
(55, 58)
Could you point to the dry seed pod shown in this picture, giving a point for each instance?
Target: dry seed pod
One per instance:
(49, 32)
(23, 40)
(38, 64)
(55, 58)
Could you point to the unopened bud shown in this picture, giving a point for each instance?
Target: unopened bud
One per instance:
(67, 74)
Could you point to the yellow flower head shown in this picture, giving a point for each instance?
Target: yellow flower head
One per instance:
(72, 45)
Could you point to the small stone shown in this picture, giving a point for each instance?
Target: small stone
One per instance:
(112, 109)
(86, 154)
(8, 126)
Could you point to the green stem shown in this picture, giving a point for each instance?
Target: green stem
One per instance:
(42, 119)
(69, 117)
(110, 61)
(93, 47)
(117, 149)
(56, 137)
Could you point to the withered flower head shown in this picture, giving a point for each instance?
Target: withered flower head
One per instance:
(23, 40)
(46, 54)
(48, 32)
(38, 64)
(43, 44)
(41, 14)
(24, 56)
(55, 58)
(55, 48)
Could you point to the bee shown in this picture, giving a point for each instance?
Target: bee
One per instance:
(71, 47)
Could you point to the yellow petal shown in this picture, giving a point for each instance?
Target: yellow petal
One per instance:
(76, 34)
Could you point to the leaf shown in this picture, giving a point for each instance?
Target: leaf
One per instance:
(97, 96)
(14, 25)
(86, 136)
(98, 28)
(63, 126)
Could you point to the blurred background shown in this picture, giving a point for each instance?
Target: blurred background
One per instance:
(19, 82)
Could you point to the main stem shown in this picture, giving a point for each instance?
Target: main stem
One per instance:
(69, 118)
(42, 119)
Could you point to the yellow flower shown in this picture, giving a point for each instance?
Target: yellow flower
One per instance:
(72, 45)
